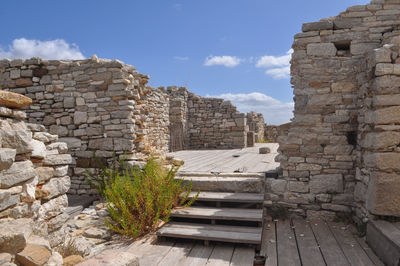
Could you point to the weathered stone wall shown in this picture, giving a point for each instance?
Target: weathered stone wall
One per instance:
(178, 118)
(333, 91)
(256, 123)
(33, 174)
(271, 132)
(215, 123)
(96, 106)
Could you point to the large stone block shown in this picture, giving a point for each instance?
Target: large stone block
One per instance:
(317, 26)
(7, 157)
(383, 197)
(57, 159)
(14, 100)
(34, 255)
(321, 49)
(14, 235)
(53, 188)
(384, 116)
(384, 161)
(327, 183)
(381, 140)
(16, 139)
(17, 173)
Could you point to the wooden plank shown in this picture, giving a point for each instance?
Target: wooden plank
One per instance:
(236, 214)
(149, 253)
(268, 247)
(286, 246)
(233, 234)
(353, 251)
(221, 255)
(242, 256)
(331, 251)
(307, 245)
(214, 158)
(176, 255)
(370, 253)
(198, 256)
(229, 197)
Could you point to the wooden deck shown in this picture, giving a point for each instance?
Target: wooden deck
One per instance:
(286, 243)
(300, 242)
(247, 160)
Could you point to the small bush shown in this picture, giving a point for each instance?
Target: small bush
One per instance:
(69, 248)
(137, 199)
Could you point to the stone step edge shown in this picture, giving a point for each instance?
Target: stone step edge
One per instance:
(206, 174)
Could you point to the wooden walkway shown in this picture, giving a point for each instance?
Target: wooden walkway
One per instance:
(309, 243)
(286, 243)
(191, 253)
(247, 160)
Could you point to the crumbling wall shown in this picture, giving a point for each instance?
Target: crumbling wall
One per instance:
(33, 173)
(256, 123)
(321, 152)
(98, 107)
(215, 123)
(271, 132)
(178, 118)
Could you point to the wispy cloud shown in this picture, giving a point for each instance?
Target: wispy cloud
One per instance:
(275, 112)
(225, 60)
(279, 66)
(54, 49)
(181, 58)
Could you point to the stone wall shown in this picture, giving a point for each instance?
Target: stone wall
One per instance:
(215, 123)
(256, 123)
(322, 160)
(96, 106)
(33, 173)
(271, 132)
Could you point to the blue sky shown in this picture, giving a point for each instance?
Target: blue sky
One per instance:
(236, 49)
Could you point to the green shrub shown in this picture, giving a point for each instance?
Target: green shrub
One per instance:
(137, 199)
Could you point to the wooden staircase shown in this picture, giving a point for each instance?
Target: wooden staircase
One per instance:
(229, 208)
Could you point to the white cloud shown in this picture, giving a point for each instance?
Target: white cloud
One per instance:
(181, 58)
(225, 60)
(279, 73)
(54, 49)
(275, 112)
(279, 66)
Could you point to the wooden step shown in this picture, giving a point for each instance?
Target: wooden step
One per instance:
(229, 197)
(225, 183)
(384, 238)
(235, 214)
(223, 233)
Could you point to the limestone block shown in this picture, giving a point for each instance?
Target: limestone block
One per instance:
(72, 143)
(101, 144)
(61, 171)
(80, 117)
(28, 190)
(45, 137)
(381, 140)
(17, 173)
(53, 206)
(33, 255)
(16, 139)
(297, 186)
(344, 86)
(277, 185)
(387, 115)
(73, 260)
(7, 157)
(45, 173)
(384, 69)
(383, 197)
(7, 199)
(55, 259)
(326, 183)
(383, 55)
(383, 161)
(57, 222)
(317, 26)
(14, 235)
(14, 100)
(321, 49)
(38, 149)
(61, 147)
(336, 207)
(298, 198)
(386, 100)
(308, 167)
(121, 144)
(57, 159)
(362, 48)
(53, 188)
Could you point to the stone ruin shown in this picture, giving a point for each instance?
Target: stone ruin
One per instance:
(101, 107)
(342, 151)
